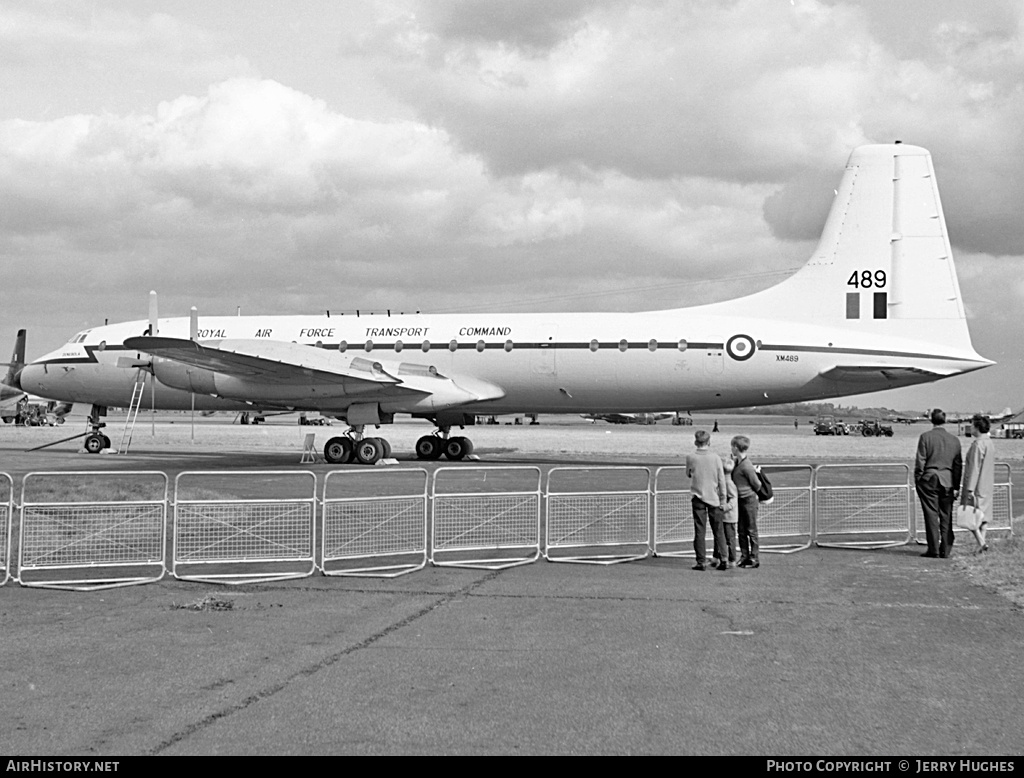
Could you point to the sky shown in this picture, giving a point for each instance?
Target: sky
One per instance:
(471, 155)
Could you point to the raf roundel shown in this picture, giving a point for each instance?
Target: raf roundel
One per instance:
(740, 347)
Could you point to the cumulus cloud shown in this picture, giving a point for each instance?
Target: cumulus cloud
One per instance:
(255, 182)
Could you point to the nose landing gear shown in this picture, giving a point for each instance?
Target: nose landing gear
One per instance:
(96, 441)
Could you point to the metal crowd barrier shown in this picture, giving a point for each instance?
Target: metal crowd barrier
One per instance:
(233, 527)
(786, 523)
(852, 514)
(91, 530)
(374, 522)
(6, 525)
(585, 520)
(673, 514)
(485, 510)
(72, 539)
(1001, 518)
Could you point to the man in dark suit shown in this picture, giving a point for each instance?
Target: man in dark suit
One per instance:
(937, 472)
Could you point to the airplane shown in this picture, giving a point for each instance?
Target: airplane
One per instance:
(994, 418)
(877, 306)
(16, 405)
(11, 394)
(627, 418)
(9, 388)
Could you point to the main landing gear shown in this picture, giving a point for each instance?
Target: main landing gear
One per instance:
(353, 447)
(96, 441)
(433, 446)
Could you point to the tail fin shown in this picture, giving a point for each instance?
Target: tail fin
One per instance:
(883, 263)
(17, 360)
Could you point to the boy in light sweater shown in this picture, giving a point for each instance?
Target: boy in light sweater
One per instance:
(707, 485)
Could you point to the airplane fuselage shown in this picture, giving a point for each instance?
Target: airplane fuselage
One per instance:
(569, 363)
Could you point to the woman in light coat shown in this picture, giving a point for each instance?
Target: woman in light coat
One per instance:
(979, 476)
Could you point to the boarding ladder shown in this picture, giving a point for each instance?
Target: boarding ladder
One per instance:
(133, 412)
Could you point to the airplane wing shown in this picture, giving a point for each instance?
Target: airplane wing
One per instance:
(270, 369)
(268, 361)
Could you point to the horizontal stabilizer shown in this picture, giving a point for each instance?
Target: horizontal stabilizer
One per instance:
(869, 374)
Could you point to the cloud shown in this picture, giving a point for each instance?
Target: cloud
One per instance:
(254, 178)
(527, 155)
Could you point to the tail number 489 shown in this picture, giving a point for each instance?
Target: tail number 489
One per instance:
(865, 279)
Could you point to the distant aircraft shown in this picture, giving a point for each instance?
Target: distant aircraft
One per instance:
(876, 307)
(627, 418)
(9, 388)
(11, 393)
(994, 418)
(15, 403)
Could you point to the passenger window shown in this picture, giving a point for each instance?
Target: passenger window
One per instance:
(480, 345)
(398, 345)
(368, 346)
(508, 345)
(682, 344)
(342, 346)
(623, 344)
(426, 346)
(652, 345)
(452, 346)
(594, 345)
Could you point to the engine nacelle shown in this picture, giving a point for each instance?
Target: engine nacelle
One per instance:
(189, 379)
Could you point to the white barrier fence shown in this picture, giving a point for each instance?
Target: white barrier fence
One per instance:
(88, 530)
(786, 524)
(235, 527)
(600, 514)
(481, 515)
(1001, 519)
(374, 522)
(6, 524)
(872, 511)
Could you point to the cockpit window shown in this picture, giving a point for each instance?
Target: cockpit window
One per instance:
(81, 336)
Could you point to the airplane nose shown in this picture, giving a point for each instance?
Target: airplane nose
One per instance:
(30, 379)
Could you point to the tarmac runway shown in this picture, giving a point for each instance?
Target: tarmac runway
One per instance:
(822, 652)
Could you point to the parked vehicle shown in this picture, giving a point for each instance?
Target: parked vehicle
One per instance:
(873, 428)
(829, 425)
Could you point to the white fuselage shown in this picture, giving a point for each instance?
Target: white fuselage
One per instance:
(558, 363)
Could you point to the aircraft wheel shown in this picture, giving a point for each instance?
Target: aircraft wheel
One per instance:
(94, 443)
(457, 448)
(106, 441)
(387, 447)
(369, 450)
(60, 420)
(428, 447)
(338, 451)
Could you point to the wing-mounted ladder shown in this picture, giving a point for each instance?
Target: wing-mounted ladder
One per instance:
(133, 412)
